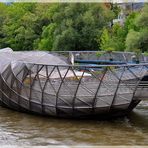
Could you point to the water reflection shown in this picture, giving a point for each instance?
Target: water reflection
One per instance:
(23, 129)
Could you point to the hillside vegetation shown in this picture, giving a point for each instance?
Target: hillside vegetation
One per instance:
(36, 26)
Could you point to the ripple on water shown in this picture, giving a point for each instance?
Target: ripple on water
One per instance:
(23, 129)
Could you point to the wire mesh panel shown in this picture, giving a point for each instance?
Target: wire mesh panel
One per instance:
(65, 91)
(73, 90)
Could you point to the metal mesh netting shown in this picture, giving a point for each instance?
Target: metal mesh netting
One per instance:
(45, 84)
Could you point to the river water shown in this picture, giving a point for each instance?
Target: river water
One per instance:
(24, 129)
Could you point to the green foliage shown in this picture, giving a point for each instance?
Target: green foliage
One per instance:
(145, 53)
(105, 40)
(30, 26)
(22, 25)
(113, 40)
(18, 28)
(77, 26)
(137, 53)
(67, 40)
(116, 10)
(99, 53)
(71, 26)
(142, 19)
(3, 10)
(138, 37)
(130, 22)
(133, 36)
(47, 39)
(132, 40)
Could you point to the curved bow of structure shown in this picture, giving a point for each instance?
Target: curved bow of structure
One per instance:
(43, 83)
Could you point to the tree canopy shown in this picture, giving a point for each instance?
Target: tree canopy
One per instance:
(131, 36)
(71, 26)
(30, 26)
(75, 27)
(137, 37)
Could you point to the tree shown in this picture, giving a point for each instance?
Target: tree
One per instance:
(18, 27)
(23, 23)
(67, 40)
(132, 40)
(47, 39)
(130, 22)
(77, 26)
(133, 36)
(30, 26)
(113, 39)
(105, 40)
(138, 38)
(3, 11)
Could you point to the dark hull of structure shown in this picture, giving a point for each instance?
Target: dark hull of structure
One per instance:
(10, 99)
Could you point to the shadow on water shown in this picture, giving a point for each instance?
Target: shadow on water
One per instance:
(24, 129)
(139, 117)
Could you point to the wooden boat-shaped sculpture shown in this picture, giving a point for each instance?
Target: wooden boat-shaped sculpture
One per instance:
(42, 83)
